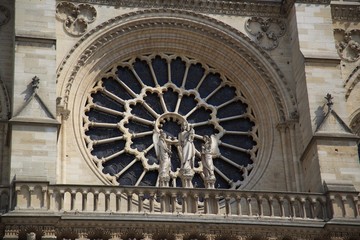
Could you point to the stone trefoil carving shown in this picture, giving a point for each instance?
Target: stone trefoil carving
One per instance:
(266, 31)
(4, 15)
(348, 44)
(75, 17)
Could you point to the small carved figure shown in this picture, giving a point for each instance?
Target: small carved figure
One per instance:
(163, 152)
(187, 147)
(31, 236)
(207, 158)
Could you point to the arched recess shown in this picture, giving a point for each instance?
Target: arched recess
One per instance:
(4, 117)
(185, 34)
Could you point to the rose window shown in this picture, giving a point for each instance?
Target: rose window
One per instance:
(142, 96)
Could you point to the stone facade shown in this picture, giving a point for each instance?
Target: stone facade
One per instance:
(76, 78)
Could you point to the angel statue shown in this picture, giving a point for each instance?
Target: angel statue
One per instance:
(163, 152)
(187, 147)
(208, 150)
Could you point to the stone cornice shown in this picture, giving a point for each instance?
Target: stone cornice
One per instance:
(273, 8)
(314, 1)
(345, 11)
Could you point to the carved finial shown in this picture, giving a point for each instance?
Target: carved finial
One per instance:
(329, 101)
(35, 83)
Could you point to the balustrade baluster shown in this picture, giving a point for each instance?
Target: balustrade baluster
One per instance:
(107, 201)
(356, 207)
(196, 203)
(249, 205)
(343, 202)
(292, 208)
(260, 206)
(227, 205)
(31, 191)
(271, 205)
(141, 202)
(118, 201)
(282, 210)
(43, 202)
(206, 204)
(173, 202)
(238, 204)
(184, 203)
(72, 200)
(303, 205)
(51, 205)
(84, 201)
(96, 200)
(151, 199)
(129, 201)
(62, 200)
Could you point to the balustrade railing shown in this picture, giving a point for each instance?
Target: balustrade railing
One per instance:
(40, 196)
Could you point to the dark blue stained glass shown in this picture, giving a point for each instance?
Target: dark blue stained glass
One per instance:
(187, 103)
(242, 125)
(143, 71)
(114, 87)
(238, 157)
(230, 170)
(161, 70)
(131, 175)
(127, 77)
(115, 165)
(232, 109)
(195, 74)
(151, 157)
(200, 115)
(245, 142)
(175, 159)
(105, 150)
(210, 83)
(171, 128)
(170, 98)
(206, 130)
(223, 95)
(140, 111)
(136, 127)
(153, 100)
(178, 67)
(102, 117)
(97, 133)
(197, 181)
(220, 182)
(149, 179)
(142, 143)
(104, 101)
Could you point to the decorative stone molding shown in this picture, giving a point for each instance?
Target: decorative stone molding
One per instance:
(75, 17)
(348, 44)
(266, 31)
(274, 8)
(4, 15)
(87, 53)
(345, 12)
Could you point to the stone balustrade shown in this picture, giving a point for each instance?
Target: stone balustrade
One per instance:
(77, 199)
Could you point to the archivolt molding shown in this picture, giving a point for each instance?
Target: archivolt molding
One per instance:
(4, 102)
(161, 18)
(352, 81)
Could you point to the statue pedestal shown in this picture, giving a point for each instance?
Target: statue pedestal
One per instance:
(210, 182)
(186, 176)
(164, 181)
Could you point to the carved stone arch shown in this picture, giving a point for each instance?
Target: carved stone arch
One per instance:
(355, 122)
(180, 33)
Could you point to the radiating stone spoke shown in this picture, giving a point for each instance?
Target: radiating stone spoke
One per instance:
(212, 93)
(142, 120)
(112, 156)
(232, 118)
(234, 147)
(231, 162)
(238, 133)
(142, 134)
(108, 110)
(104, 125)
(141, 177)
(107, 140)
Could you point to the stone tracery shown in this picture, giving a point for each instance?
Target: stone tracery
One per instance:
(160, 93)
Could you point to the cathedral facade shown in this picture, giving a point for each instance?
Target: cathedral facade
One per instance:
(179, 119)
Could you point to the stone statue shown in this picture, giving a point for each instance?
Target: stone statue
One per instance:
(207, 158)
(163, 152)
(187, 148)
